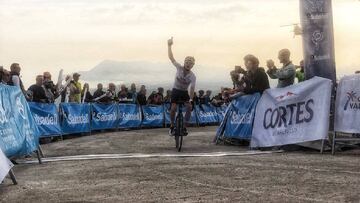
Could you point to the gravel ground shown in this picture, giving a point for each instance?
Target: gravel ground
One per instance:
(303, 176)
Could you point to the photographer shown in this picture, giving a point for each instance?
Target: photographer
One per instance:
(235, 76)
(286, 74)
(50, 88)
(254, 78)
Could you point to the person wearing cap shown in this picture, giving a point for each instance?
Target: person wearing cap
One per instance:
(184, 79)
(75, 89)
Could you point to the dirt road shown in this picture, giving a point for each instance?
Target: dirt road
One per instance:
(278, 177)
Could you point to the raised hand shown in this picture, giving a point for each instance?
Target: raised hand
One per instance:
(170, 41)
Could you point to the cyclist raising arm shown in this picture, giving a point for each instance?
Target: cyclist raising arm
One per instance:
(183, 79)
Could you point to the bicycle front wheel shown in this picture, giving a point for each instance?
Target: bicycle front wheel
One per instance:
(179, 132)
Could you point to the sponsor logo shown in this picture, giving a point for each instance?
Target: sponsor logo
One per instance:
(130, 117)
(103, 117)
(289, 115)
(20, 108)
(3, 118)
(75, 120)
(153, 117)
(353, 101)
(285, 96)
(209, 114)
(315, 6)
(50, 119)
(245, 118)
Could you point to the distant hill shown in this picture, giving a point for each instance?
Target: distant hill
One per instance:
(152, 75)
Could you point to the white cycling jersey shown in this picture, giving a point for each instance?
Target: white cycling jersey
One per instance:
(182, 81)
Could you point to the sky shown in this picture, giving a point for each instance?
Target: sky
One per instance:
(76, 35)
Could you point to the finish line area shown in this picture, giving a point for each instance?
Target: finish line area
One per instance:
(130, 156)
(143, 165)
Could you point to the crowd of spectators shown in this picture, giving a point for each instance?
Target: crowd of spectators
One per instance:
(250, 80)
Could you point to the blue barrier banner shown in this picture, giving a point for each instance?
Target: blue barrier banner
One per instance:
(10, 139)
(167, 115)
(75, 118)
(129, 116)
(206, 113)
(239, 117)
(104, 116)
(46, 117)
(221, 112)
(153, 116)
(19, 134)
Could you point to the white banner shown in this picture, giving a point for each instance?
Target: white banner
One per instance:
(294, 114)
(5, 166)
(347, 106)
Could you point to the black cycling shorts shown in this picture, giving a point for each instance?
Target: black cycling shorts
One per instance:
(179, 96)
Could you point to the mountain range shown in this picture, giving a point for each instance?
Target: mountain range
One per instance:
(153, 75)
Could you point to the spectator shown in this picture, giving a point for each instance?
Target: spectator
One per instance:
(141, 97)
(65, 90)
(226, 92)
(151, 98)
(51, 90)
(75, 89)
(155, 98)
(161, 94)
(286, 74)
(255, 78)
(217, 100)
(235, 76)
(167, 98)
(207, 96)
(123, 94)
(1, 73)
(201, 97)
(195, 99)
(132, 93)
(270, 64)
(37, 91)
(5, 76)
(15, 78)
(110, 95)
(85, 91)
(300, 74)
(98, 93)
(357, 72)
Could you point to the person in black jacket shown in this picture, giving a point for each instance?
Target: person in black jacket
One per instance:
(38, 91)
(86, 91)
(98, 93)
(141, 96)
(255, 78)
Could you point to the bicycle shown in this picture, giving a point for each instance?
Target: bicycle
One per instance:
(179, 127)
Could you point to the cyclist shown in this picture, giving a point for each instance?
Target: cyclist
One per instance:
(183, 79)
